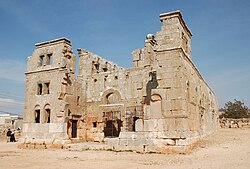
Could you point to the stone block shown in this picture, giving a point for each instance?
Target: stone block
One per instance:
(169, 83)
(150, 125)
(160, 124)
(126, 135)
(161, 135)
(123, 142)
(152, 135)
(136, 55)
(112, 141)
(176, 104)
(169, 124)
(169, 142)
(139, 125)
(181, 142)
(56, 127)
(98, 137)
(166, 105)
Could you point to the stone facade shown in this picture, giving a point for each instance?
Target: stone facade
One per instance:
(159, 105)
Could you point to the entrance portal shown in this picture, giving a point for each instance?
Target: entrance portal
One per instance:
(112, 124)
(74, 129)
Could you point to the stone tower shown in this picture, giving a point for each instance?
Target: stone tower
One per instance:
(49, 75)
(174, 34)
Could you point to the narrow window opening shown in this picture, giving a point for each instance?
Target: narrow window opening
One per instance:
(40, 89)
(96, 66)
(95, 124)
(46, 86)
(105, 78)
(37, 116)
(50, 59)
(47, 120)
(41, 60)
(134, 121)
(93, 65)
(46, 60)
(74, 129)
(105, 68)
(78, 99)
(69, 112)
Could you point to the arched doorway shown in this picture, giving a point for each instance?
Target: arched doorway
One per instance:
(112, 113)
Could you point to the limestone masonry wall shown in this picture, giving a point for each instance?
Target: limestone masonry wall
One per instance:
(162, 104)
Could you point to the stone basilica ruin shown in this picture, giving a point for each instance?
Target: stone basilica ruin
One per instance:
(162, 104)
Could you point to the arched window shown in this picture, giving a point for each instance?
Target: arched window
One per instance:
(47, 113)
(113, 98)
(37, 114)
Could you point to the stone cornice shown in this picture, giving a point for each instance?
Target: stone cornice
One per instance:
(54, 41)
(176, 14)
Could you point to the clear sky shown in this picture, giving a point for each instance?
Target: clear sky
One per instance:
(113, 28)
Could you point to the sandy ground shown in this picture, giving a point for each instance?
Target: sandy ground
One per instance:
(227, 149)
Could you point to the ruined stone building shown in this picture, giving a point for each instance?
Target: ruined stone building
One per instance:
(161, 103)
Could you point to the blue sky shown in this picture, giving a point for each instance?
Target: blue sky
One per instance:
(113, 28)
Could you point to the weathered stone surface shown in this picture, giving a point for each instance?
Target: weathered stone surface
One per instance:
(161, 102)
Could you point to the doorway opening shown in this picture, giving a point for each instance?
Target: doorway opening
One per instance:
(134, 120)
(74, 129)
(113, 124)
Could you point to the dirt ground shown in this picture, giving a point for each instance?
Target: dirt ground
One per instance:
(227, 149)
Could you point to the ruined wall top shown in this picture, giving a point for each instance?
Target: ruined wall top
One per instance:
(91, 63)
(177, 14)
(51, 55)
(174, 34)
(53, 42)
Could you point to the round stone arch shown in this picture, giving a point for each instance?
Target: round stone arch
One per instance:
(37, 107)
(47, 106)
(156, 97)
(111, 96)
(47, 113)
(36, 114)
